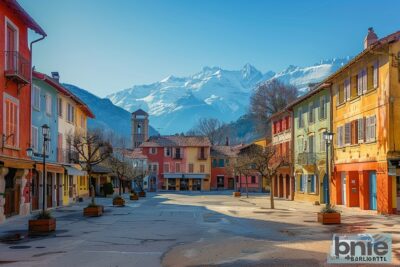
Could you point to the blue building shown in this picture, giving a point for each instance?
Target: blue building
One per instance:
(44, 112)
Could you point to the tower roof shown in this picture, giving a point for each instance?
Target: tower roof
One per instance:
(140, 112)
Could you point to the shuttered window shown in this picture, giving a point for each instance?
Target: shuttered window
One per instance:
(166, 167)
(35, 139)
(347, 133)
(300, 118)
(361, 130)
(354, 132)
(191, 168)
(36, 97)
(48, 104)
(322, 107)
(311, 112)
(370, 129)
(11, 119)
(322, 142)
(313, 183)
(376, 74)
(347, 89)
(311, 140)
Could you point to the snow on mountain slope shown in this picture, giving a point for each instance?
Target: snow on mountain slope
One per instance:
(176, 103)
(108, 116)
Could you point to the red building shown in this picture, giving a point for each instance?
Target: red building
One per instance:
(15, 115)
(222, 160)
(178, 162)
(282, 140)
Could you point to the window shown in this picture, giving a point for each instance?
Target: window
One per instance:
(35, 139)
(347, 133)
(178, 154)
(153, 150)
(354, 132)
(221, 163)
(166, 167)
(303, 183)
(253, 179)
(375, 74)
(322, 107)
(348, 90)
(202, 153)
(36, 97)
(70, 113)
(214, 163)
(11, 45)
(47, 144)
(83, 121)
(60, 107)
(167, 152)
(191, 168)
(340, 136)
(300, 118)
(340, 94)
(48, 104)
(227, 162)
(155, 168)
(177, 167)
(322, 142)
(11, 120)
(311, 144)
(202, 168)
(312, 183)
(370, 129)
(311, 112)
(361, 130)
(300, 145)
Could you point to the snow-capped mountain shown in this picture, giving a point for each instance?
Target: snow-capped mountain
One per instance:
(108, 116)
(176, 103)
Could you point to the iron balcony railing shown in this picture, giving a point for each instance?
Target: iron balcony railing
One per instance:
(309, 158)
(67, 156)
(17, 67)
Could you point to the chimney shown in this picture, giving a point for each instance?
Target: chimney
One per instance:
(371, 38)
(227, 141)
(55, 75)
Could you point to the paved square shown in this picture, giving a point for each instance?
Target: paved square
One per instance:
(193, 229)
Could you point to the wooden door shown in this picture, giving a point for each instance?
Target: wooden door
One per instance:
(49, 191)
(35, 190)
(12, 194)
(10, 48)
(231, 184)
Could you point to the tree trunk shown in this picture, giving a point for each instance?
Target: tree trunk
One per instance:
(247, 188)
(271, 197)
(91, 188)
(120, 187)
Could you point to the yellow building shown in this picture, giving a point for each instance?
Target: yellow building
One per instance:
(365, 122)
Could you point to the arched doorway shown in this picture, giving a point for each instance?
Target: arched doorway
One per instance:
(280, 193)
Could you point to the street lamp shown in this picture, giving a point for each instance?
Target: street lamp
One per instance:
(45, 133)
(328, 137)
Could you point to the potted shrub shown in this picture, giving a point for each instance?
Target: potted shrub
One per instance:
(134, 196)
(329, 215)
(118, 201)
(43, 223)
(93, 210)
(237, 194)
(142, 194)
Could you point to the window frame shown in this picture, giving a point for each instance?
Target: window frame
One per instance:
(36, 96)
(48, 104)
(14, 101)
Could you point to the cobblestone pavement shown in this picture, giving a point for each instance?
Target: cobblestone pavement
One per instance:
(191, 229)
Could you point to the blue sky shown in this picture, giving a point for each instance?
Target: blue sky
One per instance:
(108, 45)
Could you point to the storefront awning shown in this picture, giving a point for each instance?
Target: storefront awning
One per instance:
(74, 171)
(184, 175)
(50, 167)
(16, 163)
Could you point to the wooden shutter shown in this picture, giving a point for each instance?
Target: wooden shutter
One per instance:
(347, 134)
(347, 89)
(375, 74)
(360, 130)
(364, 80)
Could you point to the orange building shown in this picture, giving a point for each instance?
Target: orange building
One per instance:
(15, 101)
(365, 121)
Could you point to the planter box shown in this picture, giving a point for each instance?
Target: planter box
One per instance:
(329, 218)
(142, 194)
(42, 225)
(119, 202)
(134, 197)
(237, 194)
(93, 211)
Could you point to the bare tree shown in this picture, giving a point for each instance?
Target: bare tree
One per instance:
(92, 150)
(122, 168)
(243, 166)
(210, 127)
(266, 161)
(269, 98)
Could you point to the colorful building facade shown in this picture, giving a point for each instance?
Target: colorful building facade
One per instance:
(281, 124)
(222, 173)
(177, 162)
(311, 118)
(15, 115)
(366, 115)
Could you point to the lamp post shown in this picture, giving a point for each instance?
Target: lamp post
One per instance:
(328, 136)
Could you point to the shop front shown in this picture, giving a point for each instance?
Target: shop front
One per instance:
(185, 181)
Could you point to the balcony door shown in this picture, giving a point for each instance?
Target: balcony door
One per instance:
(11, 46)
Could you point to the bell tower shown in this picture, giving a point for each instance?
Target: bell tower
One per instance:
(140, 127)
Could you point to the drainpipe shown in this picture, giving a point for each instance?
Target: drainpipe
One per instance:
(30, 101)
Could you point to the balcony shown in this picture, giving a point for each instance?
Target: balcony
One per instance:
(306, 158)
(17, 68)
(67, 156)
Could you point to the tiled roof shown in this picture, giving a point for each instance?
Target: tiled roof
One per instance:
(176, 141)
(140, 112)
(25, 17)
(223, 151)
(131, 153)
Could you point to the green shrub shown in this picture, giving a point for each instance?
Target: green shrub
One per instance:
(44, 215)
(108, 189)
(329, 209)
